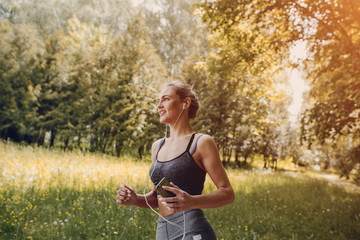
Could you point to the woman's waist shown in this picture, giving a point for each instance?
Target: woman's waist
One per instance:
(172, 217)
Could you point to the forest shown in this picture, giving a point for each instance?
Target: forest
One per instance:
(86, 75)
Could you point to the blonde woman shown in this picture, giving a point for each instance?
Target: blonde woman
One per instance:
(184, 159)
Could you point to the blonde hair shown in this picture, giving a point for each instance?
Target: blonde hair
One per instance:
(184, 90)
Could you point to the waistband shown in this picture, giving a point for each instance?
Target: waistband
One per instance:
(174, 216)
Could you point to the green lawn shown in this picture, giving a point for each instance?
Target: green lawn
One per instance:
(48, 194)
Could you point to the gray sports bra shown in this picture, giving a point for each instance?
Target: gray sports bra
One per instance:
(182, 170)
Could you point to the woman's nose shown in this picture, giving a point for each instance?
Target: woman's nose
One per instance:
(159, 105)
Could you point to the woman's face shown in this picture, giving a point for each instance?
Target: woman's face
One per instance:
(169, 105)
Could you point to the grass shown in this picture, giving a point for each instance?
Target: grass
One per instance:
(48, 194)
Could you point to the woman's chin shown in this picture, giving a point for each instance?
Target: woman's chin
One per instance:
(163, 120)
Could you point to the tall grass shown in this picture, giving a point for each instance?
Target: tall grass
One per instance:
(48, 194)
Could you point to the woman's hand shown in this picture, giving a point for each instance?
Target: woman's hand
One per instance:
(181, 202)
(126, 196)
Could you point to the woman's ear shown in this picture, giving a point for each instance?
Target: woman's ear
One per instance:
(187, 102)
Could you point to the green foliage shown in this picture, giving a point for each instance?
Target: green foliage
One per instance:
(176, 32)
(85, 86)
(334, 101)
(96, 69)
(51, 15)
(240, 91)
(20, 78)
(254, 37)
(85, 74)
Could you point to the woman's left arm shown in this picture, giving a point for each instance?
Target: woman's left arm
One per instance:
(224, 194)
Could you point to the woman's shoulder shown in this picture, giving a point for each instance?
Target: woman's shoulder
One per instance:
(156, 144)
(204, 138)
(207, 148)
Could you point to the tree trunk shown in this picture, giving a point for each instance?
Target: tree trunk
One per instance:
(140, 151)
(52, 137)
(66, 143)
(79, 140)
(237, 161)
(118, 147)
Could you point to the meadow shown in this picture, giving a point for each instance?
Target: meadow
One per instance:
(50, 194)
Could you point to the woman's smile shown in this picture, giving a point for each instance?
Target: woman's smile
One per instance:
(162, 112)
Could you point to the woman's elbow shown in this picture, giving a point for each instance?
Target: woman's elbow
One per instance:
(230, 198)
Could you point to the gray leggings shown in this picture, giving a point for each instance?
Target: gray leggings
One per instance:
(196, 227)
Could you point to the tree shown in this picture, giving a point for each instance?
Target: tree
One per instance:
(241, 78)
(334, 103)
(48, 16)
(176, 32)
(331, 29)
(131, 93)
(20, 79)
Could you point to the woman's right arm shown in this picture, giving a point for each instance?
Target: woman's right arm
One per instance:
(126, 196)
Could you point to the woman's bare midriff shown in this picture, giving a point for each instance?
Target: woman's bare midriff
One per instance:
(163, 210)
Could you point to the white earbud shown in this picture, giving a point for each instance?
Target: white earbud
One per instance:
(184, 105)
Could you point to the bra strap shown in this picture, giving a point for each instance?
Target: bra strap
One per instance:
(190, 142)
(160, 145)
(193, 150)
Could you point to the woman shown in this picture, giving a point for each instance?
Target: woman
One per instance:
(184, 159)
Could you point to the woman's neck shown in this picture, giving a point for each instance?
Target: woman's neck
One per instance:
(182, 128)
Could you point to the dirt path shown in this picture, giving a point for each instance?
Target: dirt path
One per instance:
(335, 179)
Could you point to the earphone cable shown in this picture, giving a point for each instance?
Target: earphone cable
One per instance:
(146, 201)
